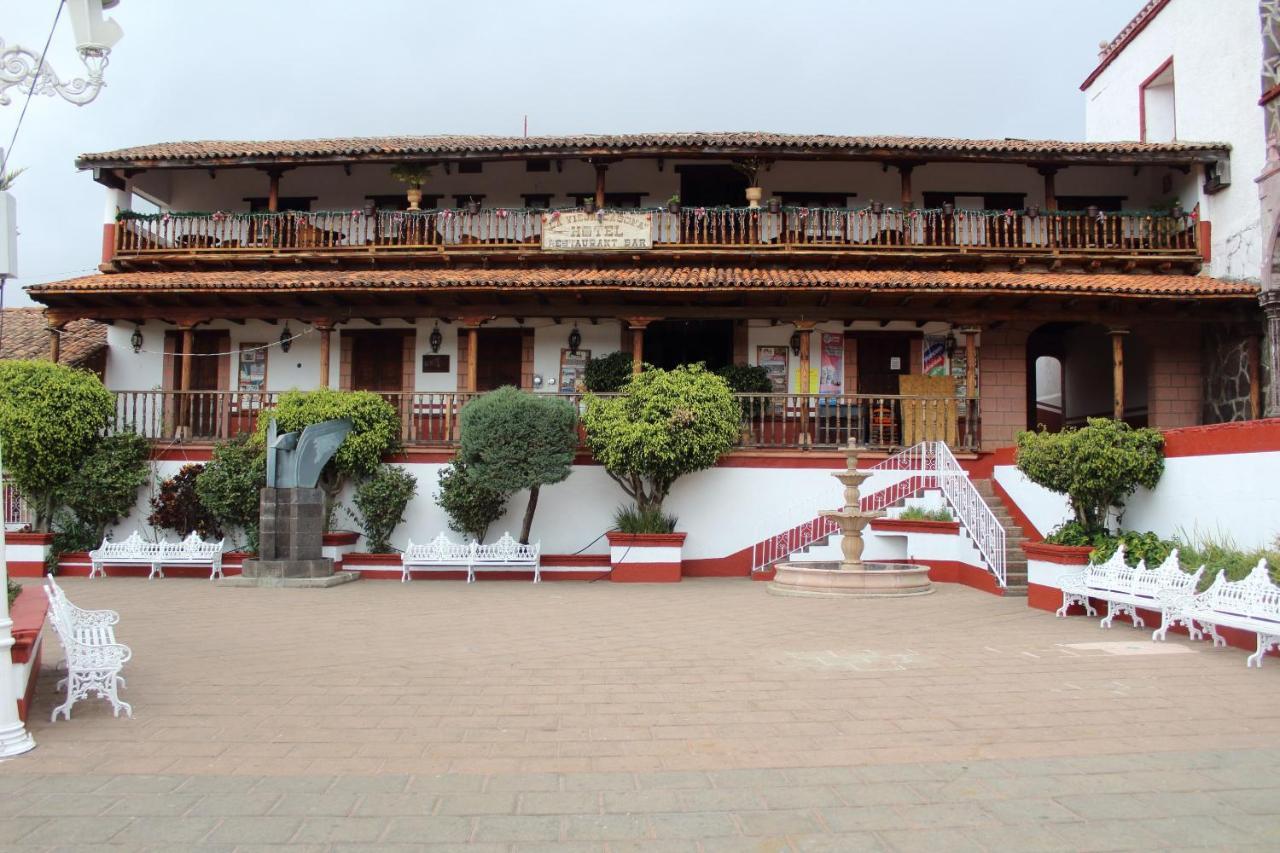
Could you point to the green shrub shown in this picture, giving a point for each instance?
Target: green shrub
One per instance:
(230, 486)
(1137, 546)
(105, 487)
(1096, 467)
(1219, 553)
(15, 589)
(470, 506)
(177, 507)
(746, 379)
(665, 424)
(630, 519)
(51, 418)
(512, 440)
(916, 513)
(381, 501)
(607, 374)
(375, 432)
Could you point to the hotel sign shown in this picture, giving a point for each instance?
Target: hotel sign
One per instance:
(603, 231)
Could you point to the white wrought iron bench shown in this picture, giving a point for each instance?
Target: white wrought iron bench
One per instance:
(135, 551)
(1250, 604)
(1126, 588)
(94, 659)
(443, 554)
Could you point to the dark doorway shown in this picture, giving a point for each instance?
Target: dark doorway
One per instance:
(712, 186)
(204, 366)
(377, 361)
(498, 359)
(671, 343)
(882, 358)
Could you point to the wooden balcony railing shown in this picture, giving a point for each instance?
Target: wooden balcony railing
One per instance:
(769, 421)
(794, 229)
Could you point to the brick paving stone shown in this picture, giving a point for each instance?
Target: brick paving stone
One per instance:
(166, 829)
(693, 825)
(560, 802)
(610, 827)
(255, 830)
(428, 830)
(517, 828)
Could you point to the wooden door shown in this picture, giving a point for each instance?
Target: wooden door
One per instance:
(882, 358)
(204, 415)
(499, 358)
(377, 361)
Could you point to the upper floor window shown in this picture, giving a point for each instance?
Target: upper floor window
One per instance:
(470, 167)
(537, 201)
(1157, 118)
(537, 165)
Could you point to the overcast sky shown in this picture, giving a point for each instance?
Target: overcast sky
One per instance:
(270, 69)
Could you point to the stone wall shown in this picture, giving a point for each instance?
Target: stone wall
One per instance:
(1225, 365)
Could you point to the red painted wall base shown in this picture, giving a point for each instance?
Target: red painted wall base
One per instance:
(29, 695)
(646, 573)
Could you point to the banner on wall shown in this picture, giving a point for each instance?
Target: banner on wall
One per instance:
(831, 379)
(806, 387)
(935, 356)
(774, 361)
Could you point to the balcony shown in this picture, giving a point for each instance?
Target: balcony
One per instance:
(255, 238)
(430, 419)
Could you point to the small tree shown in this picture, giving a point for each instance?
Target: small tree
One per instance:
(51, 418)
(105, 487)
(1096, 467)
(177, 507)
(470, 506)
(665, 424)
(607, 374)
(230, 486)
(512, 440)
(375, 432)
(380, 503)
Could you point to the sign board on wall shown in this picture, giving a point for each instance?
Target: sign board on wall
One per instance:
(774, 361)
(572, 367)
(602, 231)
(252, 372)
(935, 356)
(831, 380)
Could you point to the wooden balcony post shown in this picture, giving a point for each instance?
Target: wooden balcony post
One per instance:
(184, 378)
(325, 327)
(1050, 191)
(471, 325)
(55, 343)
(804, 328)
(1117, 371)
(601, 167)
(273, 189)
(637, 326)
(904, 173)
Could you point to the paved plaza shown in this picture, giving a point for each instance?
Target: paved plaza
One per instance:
(706, 715)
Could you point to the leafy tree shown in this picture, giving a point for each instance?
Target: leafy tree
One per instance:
(380, 503)
(470, 506)
(51, 418)
(375, 432)
(177, 507)
(105, 487)
(512, 440)
(1096, 467)
(230, 486)
(746, 378)
(665, 424)
(609, 373)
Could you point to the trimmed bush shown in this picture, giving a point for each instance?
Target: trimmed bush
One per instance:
(1096, 467)
(470, 506)
(629, 519)
(105, 487)
(230, 486)
(665, 424)
(177, 507)
(380, 503)
(608, 373)
(916, 513)
(512, 440)
(51, 419)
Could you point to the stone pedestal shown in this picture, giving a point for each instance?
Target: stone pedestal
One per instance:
(290, 542)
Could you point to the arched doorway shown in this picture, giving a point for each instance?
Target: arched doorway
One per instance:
(1070, 376)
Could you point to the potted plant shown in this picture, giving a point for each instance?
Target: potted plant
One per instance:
(877, 208)
(414, 176)
(775, 205)
(948, 208)
(473, 206)
(380, 504)
(750, 169)
(1033, 211)
(662, 425)
(673, 204)
(589, 204)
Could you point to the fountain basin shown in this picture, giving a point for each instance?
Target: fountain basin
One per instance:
(869, 580)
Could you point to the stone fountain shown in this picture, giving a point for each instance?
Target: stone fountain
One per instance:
(851, 577)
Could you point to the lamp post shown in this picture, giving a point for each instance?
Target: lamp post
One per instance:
(95, 36)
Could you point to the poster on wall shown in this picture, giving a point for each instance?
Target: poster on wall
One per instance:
(253, 368)
(774, 361)
(831, 378)
(959, 367)
(935, 356)
(572, 367)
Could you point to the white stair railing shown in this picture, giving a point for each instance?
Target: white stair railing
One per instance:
(971, 510)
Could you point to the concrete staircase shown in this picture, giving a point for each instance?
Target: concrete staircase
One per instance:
(1015, 557)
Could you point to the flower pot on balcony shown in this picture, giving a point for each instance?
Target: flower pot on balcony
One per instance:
(754, 194)
(673, 207)
(775, 205)
(414, 195)
(473, 207)
(645, 557)
(589, 205)
(948, 208)
(1033, 211)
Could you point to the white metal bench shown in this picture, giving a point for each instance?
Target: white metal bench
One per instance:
(1250, 604)
(443, 554)
(134, 551)
(1125, 588)
(93, 657)
(1079, 587)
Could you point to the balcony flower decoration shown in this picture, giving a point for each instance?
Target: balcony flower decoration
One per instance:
(413, 176)
(218, 216)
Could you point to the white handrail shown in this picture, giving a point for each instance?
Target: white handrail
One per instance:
(971, 510)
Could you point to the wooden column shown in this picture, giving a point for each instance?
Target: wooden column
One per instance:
(1117, 372)
(1255, 377)
(273, 190)
(325, 327)
(55, 344)
(188, 344)
(804, 328)
(904, 172)
(471, 325)
(637, 325)
(601, 169)
(1050, 189)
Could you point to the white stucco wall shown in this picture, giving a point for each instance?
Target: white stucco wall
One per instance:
(1217, 55)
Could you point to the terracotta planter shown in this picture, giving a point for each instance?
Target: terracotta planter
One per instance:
(1065, 555)
(754, 194)
(340, 537)
(915, 525)
(645, 557)
(414, 195)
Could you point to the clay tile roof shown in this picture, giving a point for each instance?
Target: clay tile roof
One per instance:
(680, 278)
(1130, 31)
(24, 334)
(392, 148)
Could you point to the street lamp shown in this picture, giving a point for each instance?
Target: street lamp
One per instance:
(95, 36)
